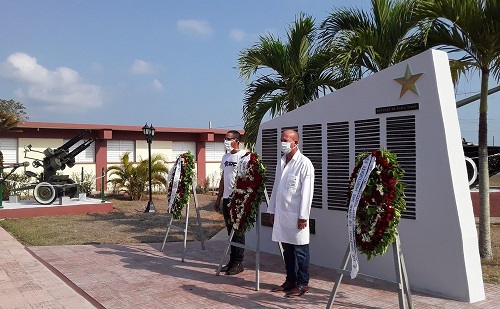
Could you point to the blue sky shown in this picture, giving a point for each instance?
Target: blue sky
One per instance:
(170, 63)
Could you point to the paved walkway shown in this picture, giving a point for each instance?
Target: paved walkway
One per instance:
(140, 276)
(27, 283)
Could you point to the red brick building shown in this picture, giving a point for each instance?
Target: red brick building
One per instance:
(112, 142)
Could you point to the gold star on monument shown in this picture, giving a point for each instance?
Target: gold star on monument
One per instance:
(408, 82)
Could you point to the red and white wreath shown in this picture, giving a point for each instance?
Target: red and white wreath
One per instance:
(247, 194)
(381, 203)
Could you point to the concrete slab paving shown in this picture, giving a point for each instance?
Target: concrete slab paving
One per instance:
(26, 283)
(141, 276)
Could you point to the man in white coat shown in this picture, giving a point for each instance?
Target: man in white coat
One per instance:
(289, 206)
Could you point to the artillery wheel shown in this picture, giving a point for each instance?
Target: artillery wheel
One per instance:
(44, 193)
(471, 170)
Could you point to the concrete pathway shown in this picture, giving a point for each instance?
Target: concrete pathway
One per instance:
(140, 276)
(27, 283)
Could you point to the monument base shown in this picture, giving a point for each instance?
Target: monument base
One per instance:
(30, 208)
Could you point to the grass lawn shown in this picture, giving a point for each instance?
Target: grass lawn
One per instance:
(129, 224)
(126, 224)
(491, 268)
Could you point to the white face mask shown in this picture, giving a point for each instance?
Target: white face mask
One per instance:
(285, 147)
(227, 145)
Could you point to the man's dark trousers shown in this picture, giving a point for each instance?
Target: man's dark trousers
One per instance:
(236, 255)
(296, 263)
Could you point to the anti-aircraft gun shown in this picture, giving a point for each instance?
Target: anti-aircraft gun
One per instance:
(50, 185)
(471, 153)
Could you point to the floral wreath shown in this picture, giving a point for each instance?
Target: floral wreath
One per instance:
(381, 204)
(247, 194)
(184, 185)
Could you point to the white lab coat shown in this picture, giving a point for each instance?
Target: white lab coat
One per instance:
(291, 199)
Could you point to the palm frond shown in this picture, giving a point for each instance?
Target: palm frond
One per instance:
(254, 118)
(269, 53)
(369, 41)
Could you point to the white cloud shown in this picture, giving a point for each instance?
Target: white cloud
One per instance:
(195, 27)
(142, 67)
(237, 35)
(157, 85)
(61, 89)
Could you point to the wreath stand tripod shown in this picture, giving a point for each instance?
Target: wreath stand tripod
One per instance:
(402, 277)
(257, 249)
(185, 229)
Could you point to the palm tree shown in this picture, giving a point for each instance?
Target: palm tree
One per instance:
(132, 178)
(367, 42)
(294, 72)
(472, 28)
(159, 171)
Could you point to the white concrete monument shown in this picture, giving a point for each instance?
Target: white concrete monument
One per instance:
(409, 109)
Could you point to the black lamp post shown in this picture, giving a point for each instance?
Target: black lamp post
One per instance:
(149, 132)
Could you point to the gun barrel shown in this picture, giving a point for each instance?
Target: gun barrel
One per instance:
(80, 148)
(66, 146)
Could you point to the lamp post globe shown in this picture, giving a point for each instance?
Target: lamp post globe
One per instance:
(149, 132)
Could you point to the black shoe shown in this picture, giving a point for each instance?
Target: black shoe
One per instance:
(236, 269)
(227, 267)
(285, 287)
(298, 291)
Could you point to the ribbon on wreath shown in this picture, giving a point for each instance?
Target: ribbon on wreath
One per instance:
(243, 164)
(357, 192)
(175, 182)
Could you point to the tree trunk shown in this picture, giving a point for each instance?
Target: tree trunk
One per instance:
(484, 177)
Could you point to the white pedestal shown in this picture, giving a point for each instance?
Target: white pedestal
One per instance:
(64, 200)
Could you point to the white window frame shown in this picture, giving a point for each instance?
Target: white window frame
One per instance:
(117, 148)
(86, 156)
(214, 151)
(8, 146)
(179, 148)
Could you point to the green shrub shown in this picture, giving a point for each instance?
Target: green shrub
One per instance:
(85, 185)
(14, 182)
